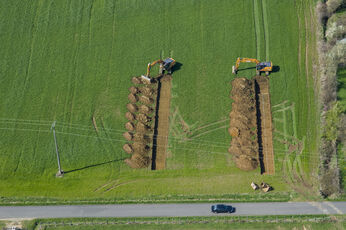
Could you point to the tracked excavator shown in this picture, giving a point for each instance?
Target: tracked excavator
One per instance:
(165, 65)
(260, 66)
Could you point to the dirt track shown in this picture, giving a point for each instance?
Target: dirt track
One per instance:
(159, 153)
(266, 152)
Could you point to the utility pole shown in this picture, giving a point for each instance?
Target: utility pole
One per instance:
(60, 173)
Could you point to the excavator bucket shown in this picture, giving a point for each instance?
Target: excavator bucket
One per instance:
(233, 70)
(146, 79)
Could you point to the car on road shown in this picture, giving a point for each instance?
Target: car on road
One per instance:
(222, 208)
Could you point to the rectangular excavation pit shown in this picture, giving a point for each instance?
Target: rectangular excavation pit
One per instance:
(148, 124)
(251, 125)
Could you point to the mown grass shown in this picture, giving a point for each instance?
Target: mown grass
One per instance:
(71, 61)
(225, 222)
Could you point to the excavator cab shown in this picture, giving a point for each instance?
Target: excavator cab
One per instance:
(264, 67)
(168, 63)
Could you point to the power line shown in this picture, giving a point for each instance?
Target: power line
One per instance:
(199, 150)
(113, 139)
(199, 142)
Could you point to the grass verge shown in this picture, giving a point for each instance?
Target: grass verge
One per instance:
(224, 222)
(259, 197)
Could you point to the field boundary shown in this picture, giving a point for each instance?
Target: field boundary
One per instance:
(51, 222)
(244, 197)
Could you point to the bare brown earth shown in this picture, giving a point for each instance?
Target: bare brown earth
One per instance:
(132, 108)
(139, 141)
(130, 126)
(146, 109)
(163, 122)
(262, 91)
(243, 123)
(128, 136)
(251, 125)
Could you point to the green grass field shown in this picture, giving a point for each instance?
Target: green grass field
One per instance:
(71, 61)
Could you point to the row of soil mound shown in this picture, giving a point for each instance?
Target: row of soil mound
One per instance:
(139, 127)
(243, 125)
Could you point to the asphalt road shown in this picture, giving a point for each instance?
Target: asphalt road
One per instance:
(159, 210)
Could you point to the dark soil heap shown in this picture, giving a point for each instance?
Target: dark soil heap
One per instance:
(243, 125)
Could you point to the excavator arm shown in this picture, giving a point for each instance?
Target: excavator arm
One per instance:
(151, 64)
(260, 66)
(240, 60)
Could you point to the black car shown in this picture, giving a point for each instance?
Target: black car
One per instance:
(222, 208)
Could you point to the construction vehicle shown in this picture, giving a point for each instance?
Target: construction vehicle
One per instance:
(260, 66)
(165, 65)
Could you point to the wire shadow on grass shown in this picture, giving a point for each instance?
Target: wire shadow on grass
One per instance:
(93, 165)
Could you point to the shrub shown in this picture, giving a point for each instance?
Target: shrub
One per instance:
(333, 5)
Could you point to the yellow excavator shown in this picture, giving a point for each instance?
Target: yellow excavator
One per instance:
(260, 66)
(165, 65)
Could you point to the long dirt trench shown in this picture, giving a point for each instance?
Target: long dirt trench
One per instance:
(266, 151)
(160, 140)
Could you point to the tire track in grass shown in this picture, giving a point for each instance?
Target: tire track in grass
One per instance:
(257, 29)
(112, 44)
(266, 28)
(34, 29)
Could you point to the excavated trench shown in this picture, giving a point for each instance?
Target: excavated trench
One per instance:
(148, 115)
(251, 125)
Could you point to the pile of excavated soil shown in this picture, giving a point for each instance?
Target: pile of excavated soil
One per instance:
(133, 89)
(147, 91)
(143, 118)
(130, 126)
(245, 162)
(139, 126)
(136, 80)
(146, 100)
(128, 148)
(142, 138)
(128, 136)
(133, 98)
(243, 125)
(146, 109)
(130, 116)
(133, 108)
(138, 161)
(140, 147)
